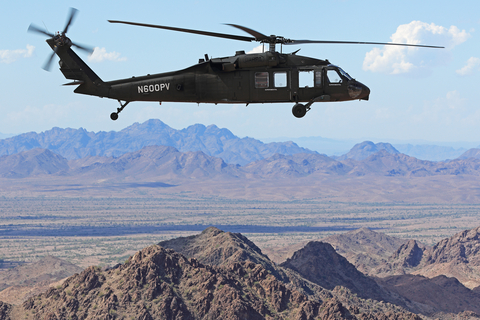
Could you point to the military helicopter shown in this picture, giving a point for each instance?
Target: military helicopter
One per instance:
(267, 77)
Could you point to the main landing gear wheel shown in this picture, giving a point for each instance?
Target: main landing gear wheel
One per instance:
(299, 110)
(114, 115)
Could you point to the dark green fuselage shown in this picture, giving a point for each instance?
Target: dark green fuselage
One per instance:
(268, 77)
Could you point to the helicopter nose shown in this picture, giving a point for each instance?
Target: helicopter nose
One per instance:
(365, 93)
(357, 90)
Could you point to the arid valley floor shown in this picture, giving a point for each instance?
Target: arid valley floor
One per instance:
(106, 230)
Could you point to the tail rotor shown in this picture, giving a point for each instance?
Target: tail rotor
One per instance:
(59, 39)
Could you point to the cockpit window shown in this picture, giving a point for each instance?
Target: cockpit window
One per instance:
(346, 75)
(340, 71)
(333, 76)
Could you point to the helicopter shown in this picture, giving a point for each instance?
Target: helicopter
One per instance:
(266, 77)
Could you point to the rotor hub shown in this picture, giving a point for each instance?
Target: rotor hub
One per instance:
(61, 40)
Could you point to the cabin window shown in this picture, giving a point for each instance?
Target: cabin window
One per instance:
(305, 78)
(318, 78)
(280, 79)
(333, 76)
(261, 80)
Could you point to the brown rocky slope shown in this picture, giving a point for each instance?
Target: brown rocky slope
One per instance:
(379, 255)
(330, 270)
(457, 256)
(158, 283)
(239, 282)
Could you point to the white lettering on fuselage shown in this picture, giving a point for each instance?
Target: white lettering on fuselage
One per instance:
(147, 88)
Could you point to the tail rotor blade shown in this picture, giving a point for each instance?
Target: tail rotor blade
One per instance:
(48, 64)
(73, 13)
(34, 28)
(84, 48)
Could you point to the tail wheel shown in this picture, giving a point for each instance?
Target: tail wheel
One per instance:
(299, 110)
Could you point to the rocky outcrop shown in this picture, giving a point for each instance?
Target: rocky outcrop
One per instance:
(216, 247)
(458, 256)
(409, 255)
(319, 263)
(406, 259)
(464, 247)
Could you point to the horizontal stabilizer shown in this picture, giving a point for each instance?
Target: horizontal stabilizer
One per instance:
(74, 83)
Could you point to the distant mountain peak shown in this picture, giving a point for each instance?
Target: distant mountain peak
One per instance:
(471, 153)
(363, 150)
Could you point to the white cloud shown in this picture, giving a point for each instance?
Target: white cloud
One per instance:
(101, 54)
(403, 60)
(258, 49)
(9, 56)
(472, 64)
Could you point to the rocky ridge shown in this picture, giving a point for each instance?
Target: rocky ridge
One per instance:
(375, 255)
(240, 282)
(158, 283)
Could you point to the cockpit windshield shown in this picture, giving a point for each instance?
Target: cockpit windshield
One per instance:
(342, 72)
(346, 75)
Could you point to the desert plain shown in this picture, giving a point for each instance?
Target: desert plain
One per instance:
(93, 224)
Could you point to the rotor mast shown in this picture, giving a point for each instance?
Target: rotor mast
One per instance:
(272, 42)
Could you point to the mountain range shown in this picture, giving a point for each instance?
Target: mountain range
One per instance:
(168, 163)
(217, 274)
(382, 176)
(213, 141)
(425, 150)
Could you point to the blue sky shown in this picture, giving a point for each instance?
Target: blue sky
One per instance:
(416, 94)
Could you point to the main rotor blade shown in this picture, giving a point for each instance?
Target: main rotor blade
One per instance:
(73, 13)
(205, 33)
(34, 28)
(258, 36)
(293, 42)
